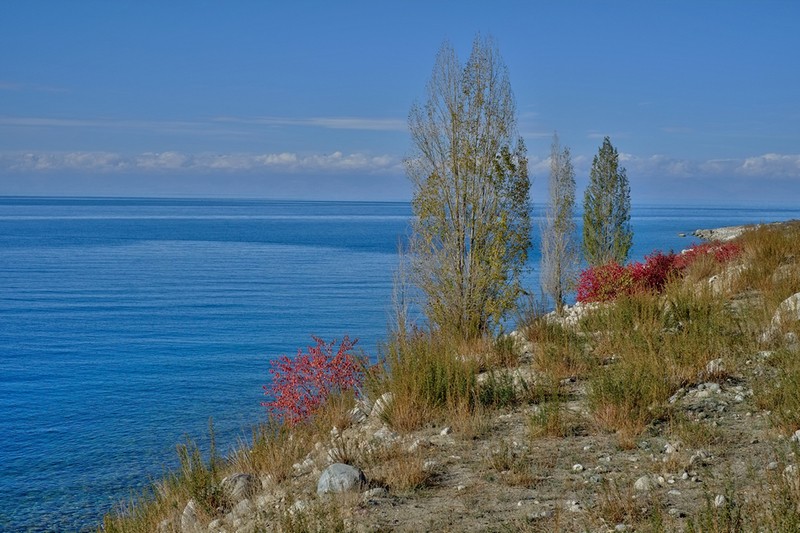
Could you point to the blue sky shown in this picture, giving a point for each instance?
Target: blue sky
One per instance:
(310, 99)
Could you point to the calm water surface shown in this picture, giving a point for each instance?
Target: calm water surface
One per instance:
(126, 324)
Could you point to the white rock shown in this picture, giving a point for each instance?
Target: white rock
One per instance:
(357, 415)
(381, 405)
(298, 507)
(787, 312)
(719, 500)
(796, 436)
(385, 434)
(429, 465)
(377, 492)
(577, 467)
(573, 506)
(446, 431)
(340, 477)
(242, 509)
(644, 484)
(715, 366)
(190, 523)
(671, 447)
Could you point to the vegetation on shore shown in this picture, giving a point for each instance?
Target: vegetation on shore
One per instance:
(612, 373)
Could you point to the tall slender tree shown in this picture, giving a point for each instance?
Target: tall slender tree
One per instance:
(559, 265)
(607, 234)
(471, 203)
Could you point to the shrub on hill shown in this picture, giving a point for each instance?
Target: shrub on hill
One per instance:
(300, 385)
(607, 282)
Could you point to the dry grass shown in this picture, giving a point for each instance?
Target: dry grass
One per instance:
(399, 469)
(511, 465)
(426, 374)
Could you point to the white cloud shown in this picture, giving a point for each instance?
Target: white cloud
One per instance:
(178, 161)
(779, 165)
(766, 166)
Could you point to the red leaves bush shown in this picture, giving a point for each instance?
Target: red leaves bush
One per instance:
(300, 385)
(721, 251)
(603, 283)
(607, 282)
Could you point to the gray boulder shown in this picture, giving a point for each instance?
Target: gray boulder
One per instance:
(340, 477)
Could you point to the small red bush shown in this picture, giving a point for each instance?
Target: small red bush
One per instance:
(653, 274)
(301, 384)
(604, 282)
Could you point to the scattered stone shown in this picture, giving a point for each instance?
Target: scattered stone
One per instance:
(644, 484)
(715, 367)
(304, 467)
(672, 447)
(577, 467)
(377, 492)
(429, 465)
(460, 488)
(700, 458)
(242, 509)
(719, 500)
(546, 513)
(299, 506)
(620, 527)
(381, 405)
(240, 486)
(773, 465)
(573, 506)
(446, 431)
(340, 477)
(357, 415)
(788, 311)
(385, 434)
(796, 436)
(190, 523)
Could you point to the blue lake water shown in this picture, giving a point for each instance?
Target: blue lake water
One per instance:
(125, 324)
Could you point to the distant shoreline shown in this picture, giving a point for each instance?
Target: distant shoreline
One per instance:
(728, 233)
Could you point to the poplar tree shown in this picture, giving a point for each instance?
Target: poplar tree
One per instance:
(559, 264)
(471, 229)
(607, 234)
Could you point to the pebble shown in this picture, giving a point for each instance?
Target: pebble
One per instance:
(796, 436)
(577, 467)
(446, 431)
(644, 483)
(719, 500)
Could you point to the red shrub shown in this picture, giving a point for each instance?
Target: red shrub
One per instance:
(653, 274)
(603, 283)
(301, 384)
(607, 282)
(722, 252)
